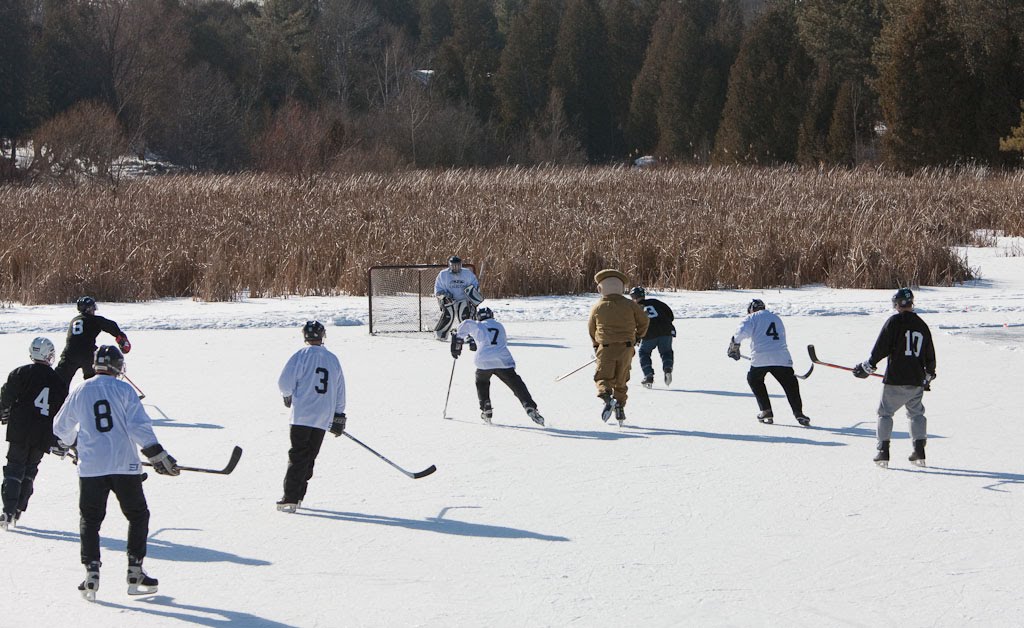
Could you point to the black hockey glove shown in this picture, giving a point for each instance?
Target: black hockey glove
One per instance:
(163, 463)
(734, 349)
(5, 416)
(928, 377)
(288, 401)
(59, 448)
(471, 343)
(456, 346)
(863, 370)
(338, 425)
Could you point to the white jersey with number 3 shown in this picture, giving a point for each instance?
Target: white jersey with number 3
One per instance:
(492, 344)
(314, 380)
(107, 418)
(767, 337)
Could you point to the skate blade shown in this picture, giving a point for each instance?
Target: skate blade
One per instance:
(668, 379)
(882, 463)
(648, 384)
(88, 595)
(141, 589)
(918, 463)
(289, 508)
(767, 421)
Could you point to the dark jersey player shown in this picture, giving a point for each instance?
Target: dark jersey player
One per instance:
(659, 336)
(81, 343)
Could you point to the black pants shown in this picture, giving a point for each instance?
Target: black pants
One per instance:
(69, 365)
(306, 443)
(510, 378)
(785, 376)
(20, 476)
(92, 503)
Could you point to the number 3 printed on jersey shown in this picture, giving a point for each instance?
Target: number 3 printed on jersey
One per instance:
(651, 312)
(323, 380)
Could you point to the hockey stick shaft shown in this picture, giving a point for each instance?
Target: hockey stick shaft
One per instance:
(236, 455)
(448, 396)
(409, 474)
(575, 370)
(142, 395)
(814, 358)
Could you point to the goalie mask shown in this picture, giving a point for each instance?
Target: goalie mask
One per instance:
(314, 330)
(109, 360)
(41, 350)
(455, 263)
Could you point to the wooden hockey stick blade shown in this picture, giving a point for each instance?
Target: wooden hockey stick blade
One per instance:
(424, 473)
(419, 474)
(814, 358)
(236, 455)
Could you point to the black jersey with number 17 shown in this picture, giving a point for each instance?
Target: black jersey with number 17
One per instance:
(907, 342)
(84, 329)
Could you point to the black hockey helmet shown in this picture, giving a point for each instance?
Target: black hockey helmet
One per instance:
(109, 360)
(314, 330)
(484, 314)
(637, 292)
(756, 305)
(903, 297)
(86, 303)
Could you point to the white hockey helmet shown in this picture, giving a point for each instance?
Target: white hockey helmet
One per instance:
(41, 350)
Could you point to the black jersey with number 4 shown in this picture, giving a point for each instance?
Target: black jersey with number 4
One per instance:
(661, 318)
(907, 342)
(33, 393)
(82, 333)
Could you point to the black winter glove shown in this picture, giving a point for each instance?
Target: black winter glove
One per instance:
(163, 463)
(338, 425)
(288, 401)
(456, 346)
(471, 343)
(928, 377)
(5, 416)
(734, 350)
(863, 370)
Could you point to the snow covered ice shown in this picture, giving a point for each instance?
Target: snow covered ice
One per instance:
(693, 514)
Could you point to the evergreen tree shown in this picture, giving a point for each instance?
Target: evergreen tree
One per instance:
(628, 34)
(642, 124)
(581, 73)
(16, 70)
(924, 89)
(468, 58)
(765, 102)
(435, 25)
(522, 81)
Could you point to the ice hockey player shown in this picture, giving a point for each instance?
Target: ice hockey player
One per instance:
(81, 343)
(458, 293)
(768, 354)
(28, 402)
(907, 342)
(313, 386)
(616, 324)
(492, 358)
(105, 421)
(659, 335)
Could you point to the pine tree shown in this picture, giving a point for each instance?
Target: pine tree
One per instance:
(16, 70)
(522, 82)
(468, 58)
(627, 38)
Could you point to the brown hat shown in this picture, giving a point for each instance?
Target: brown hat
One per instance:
(610, 272)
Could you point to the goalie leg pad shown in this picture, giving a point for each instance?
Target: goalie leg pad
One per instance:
(465, 310)
(447, 319)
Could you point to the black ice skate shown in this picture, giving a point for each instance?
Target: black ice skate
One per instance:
(803, 420)
(668, 378)
(648, 381)
(918, 456)
(620, 414)
(486, 412)
(766, 416)
(6, 520)
(286, 505)
(91, 584)
(139, 583)
(609, 406)
(882, 457)
(535, 416)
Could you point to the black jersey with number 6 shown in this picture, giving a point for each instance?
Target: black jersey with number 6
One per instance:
(33, 393)
(907, 342)
(82, 333)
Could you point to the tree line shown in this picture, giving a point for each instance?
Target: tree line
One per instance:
(305, 86)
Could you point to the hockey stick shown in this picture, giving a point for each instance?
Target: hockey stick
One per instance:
(236, 455)
(419, 474)
(580, 368)
(142, 395)
(814, 358)
(448, 396)
(798, 376)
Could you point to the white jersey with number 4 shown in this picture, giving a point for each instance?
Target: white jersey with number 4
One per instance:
(767, 337)
(107, 418)
(491, 342)
(314, 380)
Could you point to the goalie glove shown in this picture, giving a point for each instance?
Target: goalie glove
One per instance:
(123, 344)
(863, 370)
(734, 349)
(338, 424)
(163, 463)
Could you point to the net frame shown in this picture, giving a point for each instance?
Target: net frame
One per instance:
(401, 297)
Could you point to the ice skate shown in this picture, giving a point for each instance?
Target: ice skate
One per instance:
(91, 584)
(535, 416)
(917, 457)
(486, 412)
(803, 420)
(668, 378)
(882, 457)
(139, 583)
(609, 407)
(6, 520)
(620, 414)
(287, 506)
(648, 381)
(766, 416)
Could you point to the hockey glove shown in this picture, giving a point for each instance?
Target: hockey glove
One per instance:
(928, 377)
(5, 415)
(863, 370)
(123, 344)
(734, 349)
(471, 343)
(288, 401)
(456, 346)
(59, 449)
(338, 425)
(163, 463)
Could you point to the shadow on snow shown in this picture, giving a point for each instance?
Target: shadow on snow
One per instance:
(165, 606)
(1000, 477)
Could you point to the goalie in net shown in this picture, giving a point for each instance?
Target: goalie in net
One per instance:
(407, 298)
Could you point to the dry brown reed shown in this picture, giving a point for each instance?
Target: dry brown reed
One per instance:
(529, 232)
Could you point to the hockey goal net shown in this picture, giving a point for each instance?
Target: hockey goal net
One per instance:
(402, 297)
